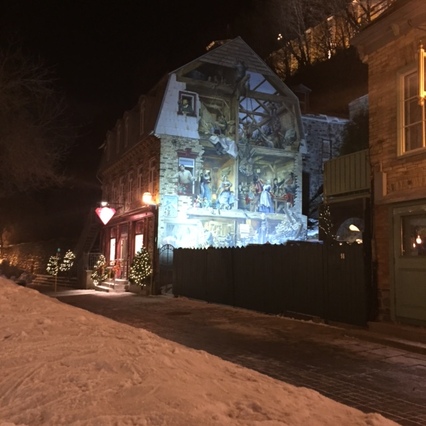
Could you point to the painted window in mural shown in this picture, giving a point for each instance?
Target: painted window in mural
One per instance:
(185, 176)
(186, 104)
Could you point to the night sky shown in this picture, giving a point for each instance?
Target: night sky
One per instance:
(105, 55)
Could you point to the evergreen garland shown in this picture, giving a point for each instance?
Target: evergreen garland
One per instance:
(99, 273)
(67, 262)
(140, 269)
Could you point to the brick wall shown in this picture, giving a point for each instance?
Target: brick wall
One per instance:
(405, 175)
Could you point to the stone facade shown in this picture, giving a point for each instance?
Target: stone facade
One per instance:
(323, 135)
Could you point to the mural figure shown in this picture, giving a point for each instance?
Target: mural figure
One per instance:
(241, 78)
(290, 189)
(205, 190)
(266, 204)
(277, 187)
(256, 190)
(185, 180)
(225, 197)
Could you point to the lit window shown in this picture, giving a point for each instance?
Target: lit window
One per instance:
(411, 114)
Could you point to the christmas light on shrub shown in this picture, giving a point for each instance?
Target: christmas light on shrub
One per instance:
(53, 265)
(140, 268)
(99, 273)
(67, 262)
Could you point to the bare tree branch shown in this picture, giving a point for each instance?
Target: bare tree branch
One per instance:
(33, 133)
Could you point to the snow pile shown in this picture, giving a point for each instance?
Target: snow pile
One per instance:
(61, 365)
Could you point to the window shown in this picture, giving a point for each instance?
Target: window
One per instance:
(152, 175)
(129, 198)
(121, 191)
(140, 183)
(411, 114)
(112, 244)
(413, 235)
(185, 176)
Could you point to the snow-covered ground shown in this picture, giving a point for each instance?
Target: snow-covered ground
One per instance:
(61, 365)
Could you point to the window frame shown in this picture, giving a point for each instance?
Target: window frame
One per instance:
(401, 111)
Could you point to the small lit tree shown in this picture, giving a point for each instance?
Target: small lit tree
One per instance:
(141, 268)
(326, 223)
(67, 262)
(99, 273)
(53, 265)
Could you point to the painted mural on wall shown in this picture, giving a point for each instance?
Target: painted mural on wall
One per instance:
(238, 181)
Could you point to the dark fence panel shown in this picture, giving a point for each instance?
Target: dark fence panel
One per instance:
(303, 278)
(219, 280)
(250, 277)
(345, 284)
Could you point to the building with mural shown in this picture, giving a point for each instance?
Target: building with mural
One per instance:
(216, 144)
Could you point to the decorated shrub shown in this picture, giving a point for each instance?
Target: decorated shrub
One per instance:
(141, 268)
(100, 272)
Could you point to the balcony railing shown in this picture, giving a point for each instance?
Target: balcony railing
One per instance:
(347, 175)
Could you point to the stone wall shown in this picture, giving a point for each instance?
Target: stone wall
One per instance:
(320, 128)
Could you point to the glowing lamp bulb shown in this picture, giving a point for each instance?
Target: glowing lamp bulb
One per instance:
(418, 239)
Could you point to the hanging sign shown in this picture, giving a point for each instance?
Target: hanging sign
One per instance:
(105, 214)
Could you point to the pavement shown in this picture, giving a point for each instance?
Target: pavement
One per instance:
(380, 369)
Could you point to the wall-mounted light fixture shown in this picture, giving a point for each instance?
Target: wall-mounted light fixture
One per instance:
(147, 198)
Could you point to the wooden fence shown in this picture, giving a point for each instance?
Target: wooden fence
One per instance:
(331, 282)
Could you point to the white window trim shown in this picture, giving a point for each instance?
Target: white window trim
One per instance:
(401, 74)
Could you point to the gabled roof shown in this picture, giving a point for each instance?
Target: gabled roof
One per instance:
(238, 50)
